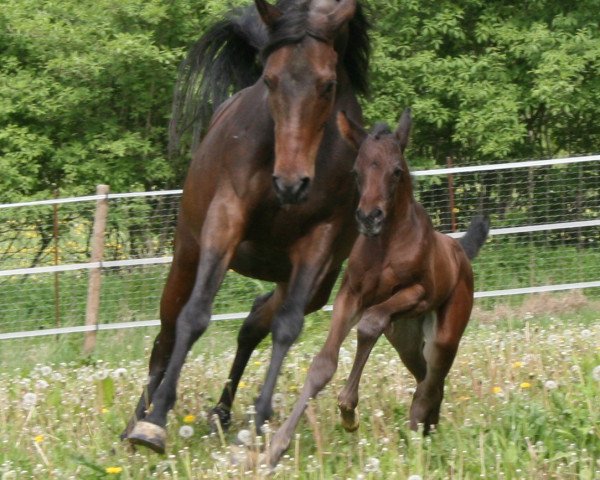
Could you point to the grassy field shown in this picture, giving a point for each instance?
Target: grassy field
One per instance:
(521, 402)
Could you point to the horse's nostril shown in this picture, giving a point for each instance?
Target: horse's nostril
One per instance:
(291, 192)
(377, 214)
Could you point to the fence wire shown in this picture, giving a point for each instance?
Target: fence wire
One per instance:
(141, 228)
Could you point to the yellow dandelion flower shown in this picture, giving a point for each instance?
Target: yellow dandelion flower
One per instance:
(258, 363)
(456, 210)
(113, 470)
(517, 364)
(189, 419)
(292, 388)
(38, 438)
(242, 384)
(104, 410)
(304, 369)
(525, 385)
(496, 390)
(463, 398)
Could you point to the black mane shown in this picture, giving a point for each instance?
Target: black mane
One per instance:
(230, 55)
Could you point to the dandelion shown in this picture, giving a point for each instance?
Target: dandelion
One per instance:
(113, 470)
(29, 400)
(242, 385)
(189, 419)
(497, 390)
(415, 477)
(104, 410)
(119, 373)
(100, 375)
(41, 384)
(372, 465)
(257, 363)
(517, 364)
(186, 431)
(245, 437)
(525, 385)
(278, 400)
(38, 438)
(596, 373)
(550, 385)
(45, 370)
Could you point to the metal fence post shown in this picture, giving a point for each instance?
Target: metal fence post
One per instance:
(95, 275)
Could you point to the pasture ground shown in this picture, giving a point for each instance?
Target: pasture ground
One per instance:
(521, 402)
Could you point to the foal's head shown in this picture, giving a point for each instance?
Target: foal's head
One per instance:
(300, 75)
(381, 171)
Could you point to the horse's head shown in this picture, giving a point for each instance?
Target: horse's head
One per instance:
(300, 75)
(380, 168)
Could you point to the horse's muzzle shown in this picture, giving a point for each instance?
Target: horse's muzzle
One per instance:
(370, 224)
(291, 193)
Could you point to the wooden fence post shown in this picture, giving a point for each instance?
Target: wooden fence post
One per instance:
(95, 275)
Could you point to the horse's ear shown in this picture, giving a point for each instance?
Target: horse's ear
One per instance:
(403, 130)
(351, 131)
(268, 13)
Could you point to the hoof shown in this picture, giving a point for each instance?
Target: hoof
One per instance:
(350, 420)
(148, 435)
(224, 416)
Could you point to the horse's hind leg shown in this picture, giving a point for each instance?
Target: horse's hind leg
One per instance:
(440, 351)
(254, 329)
(175, 293)
(406, 336)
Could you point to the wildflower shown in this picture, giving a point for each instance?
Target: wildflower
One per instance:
(113, 470)
(596, 373)
(38, 438)
(189, 419)
(497, 390)
(104, 410)
(242, 384)
(45, 370)
(100, 375)
(372, 465)
(41, 384)
(415, 477)
(517, 364)
(258, 363)
(525, 385)
(550, 385)
(245, 437)
(29, 400)
(186, 431)
(278, 400)
(119, 373)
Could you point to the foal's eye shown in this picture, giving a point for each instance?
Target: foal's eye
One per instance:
(269, 82)
(397, 172)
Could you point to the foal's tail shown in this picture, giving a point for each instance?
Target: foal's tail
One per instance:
(475, 237)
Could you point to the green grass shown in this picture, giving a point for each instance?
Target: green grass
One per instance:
(501, 417)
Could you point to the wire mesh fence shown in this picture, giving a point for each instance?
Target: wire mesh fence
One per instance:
(545, 218)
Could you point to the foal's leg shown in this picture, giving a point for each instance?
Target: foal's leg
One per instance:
(175, 294)
(221, 234)
(406, 336)
(254, 329)
(320, 372)
(311, 259)
(373, 323)
(370, 327)
(439, 352)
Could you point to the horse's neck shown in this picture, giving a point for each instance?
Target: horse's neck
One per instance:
(405, 216)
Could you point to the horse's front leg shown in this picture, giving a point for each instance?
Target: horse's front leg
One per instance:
(221, 234)
(311, 259)
(321, 369)
(372, 325)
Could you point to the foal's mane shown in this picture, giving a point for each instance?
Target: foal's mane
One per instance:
(229, 57)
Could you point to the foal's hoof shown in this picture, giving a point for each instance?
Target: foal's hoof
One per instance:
(220, 414)
(350, 420)
(149, 435)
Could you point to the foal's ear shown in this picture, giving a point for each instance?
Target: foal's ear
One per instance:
(268, 13)
(350, 131)
(403, 130)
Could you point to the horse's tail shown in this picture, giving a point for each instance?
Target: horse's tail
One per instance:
(475, 237)
(224, 60)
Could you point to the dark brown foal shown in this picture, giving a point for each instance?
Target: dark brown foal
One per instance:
(404, 280)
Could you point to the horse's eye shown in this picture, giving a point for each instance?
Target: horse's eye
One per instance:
(397, 172)
(269, 82)
(328, 88)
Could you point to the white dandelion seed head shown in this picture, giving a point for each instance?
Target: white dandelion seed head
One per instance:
(410, 390)
(29, 400)
(550, 385)
(585, 333)
(378, 413)
(41, 384)
(575, 369)
(415, 477)
(100, 375)
(45, 370)
(278, 400)
(119, 373)
(245, 437)
(596, 373)
(186, 431)
(372, 465)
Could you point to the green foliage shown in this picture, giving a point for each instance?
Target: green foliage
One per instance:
(85, 87)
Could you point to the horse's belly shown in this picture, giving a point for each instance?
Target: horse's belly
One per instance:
(261, 262)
